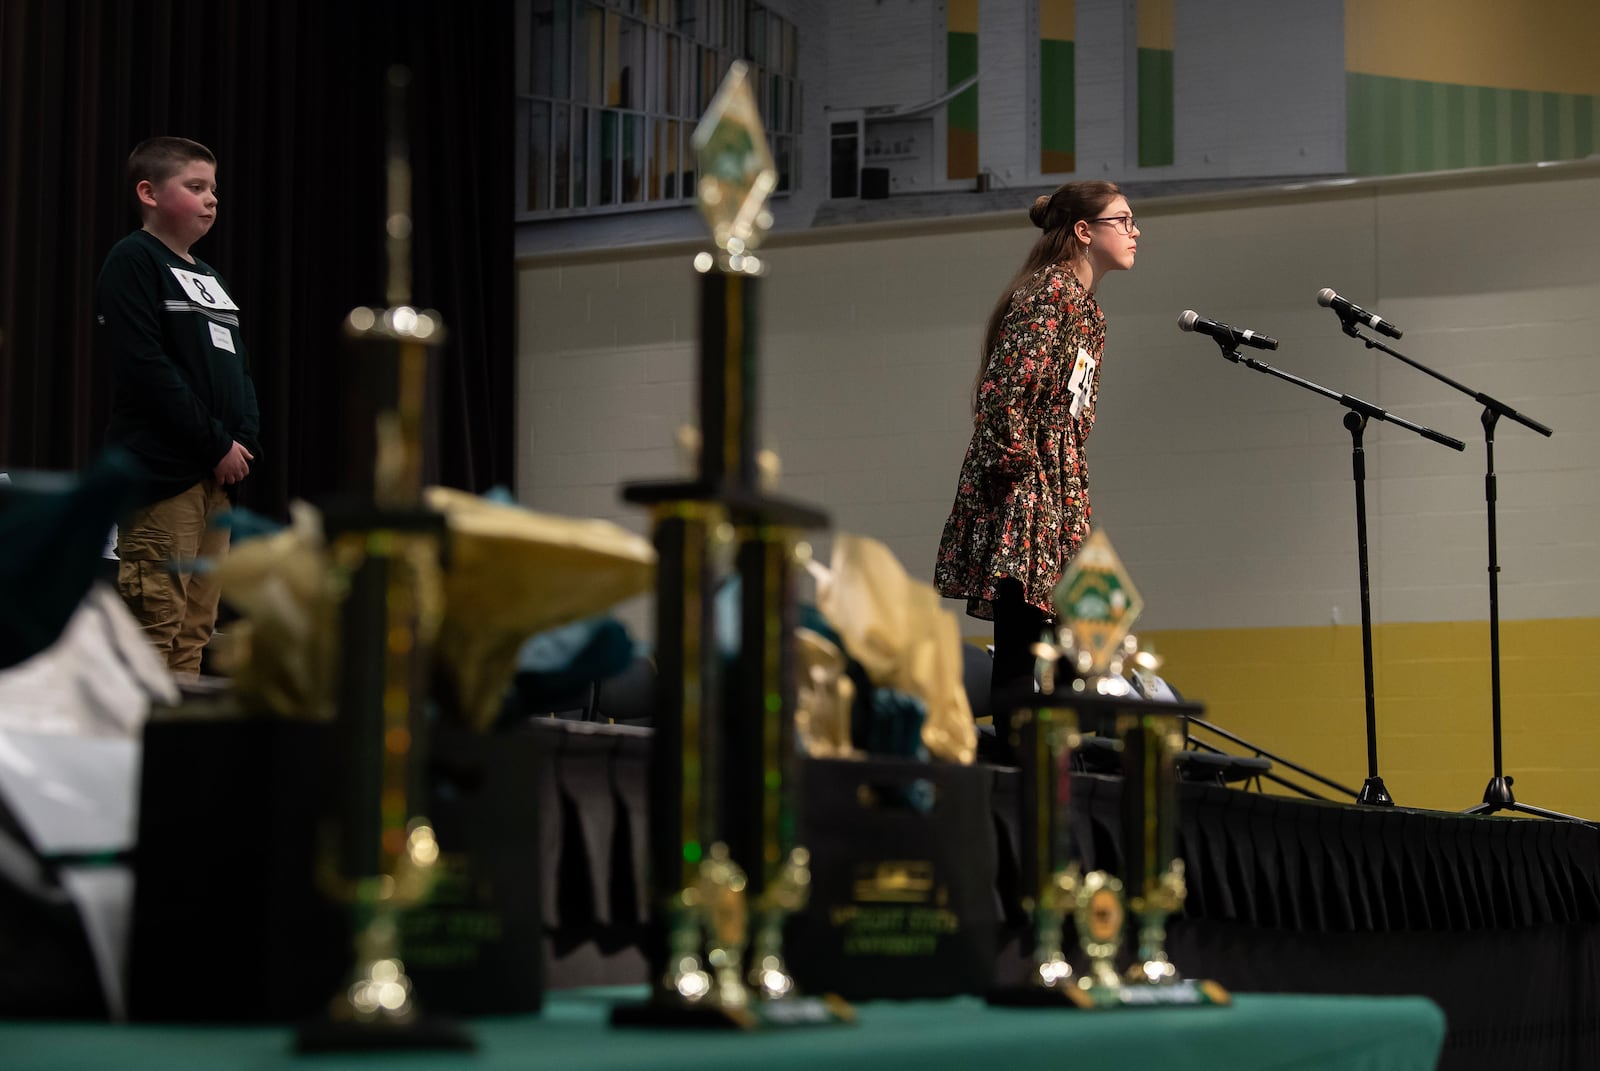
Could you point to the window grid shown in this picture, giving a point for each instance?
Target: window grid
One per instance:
(610, 91)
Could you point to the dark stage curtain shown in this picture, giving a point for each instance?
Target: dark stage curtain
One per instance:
(291, 96)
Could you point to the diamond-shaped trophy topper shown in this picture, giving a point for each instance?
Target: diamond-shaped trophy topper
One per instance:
(1097, 601)
(737, 174)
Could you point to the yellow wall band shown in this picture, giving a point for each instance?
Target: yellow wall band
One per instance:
(1057, 20)
(1547, 46)
(1155, 24)
(961, 16)
(1298, 692)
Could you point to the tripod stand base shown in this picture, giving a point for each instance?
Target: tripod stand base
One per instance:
(1497, 797)
(1498, 793)
(1373, 794)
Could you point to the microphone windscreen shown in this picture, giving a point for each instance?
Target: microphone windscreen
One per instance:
(1325, 296)
(1186, 321)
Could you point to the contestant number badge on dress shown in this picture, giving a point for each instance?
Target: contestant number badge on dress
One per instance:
(1081, 383)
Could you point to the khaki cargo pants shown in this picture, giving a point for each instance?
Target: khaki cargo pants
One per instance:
(177, 610)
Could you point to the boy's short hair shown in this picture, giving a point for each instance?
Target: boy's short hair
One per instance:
(157, 159)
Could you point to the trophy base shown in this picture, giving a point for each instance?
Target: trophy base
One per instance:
(422, 1032)
(1038, 996)
(786, 1014)
(789, 1012)
(1185, 993)
(664, 1016)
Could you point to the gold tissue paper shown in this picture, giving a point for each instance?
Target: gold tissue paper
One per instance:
(823, 697)
(513, 572)
(510, 572)
(279, 652)
(904, 639)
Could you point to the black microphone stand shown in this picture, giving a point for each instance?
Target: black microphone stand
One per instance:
(1497, 796)
(1373, 791)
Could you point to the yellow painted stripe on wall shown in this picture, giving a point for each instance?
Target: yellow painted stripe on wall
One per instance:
(1057, 20)
(1299, 692)
(1547, 46)
(1155, 24)
(961, 16)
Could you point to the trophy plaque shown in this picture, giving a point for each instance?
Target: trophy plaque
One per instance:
(725, 871)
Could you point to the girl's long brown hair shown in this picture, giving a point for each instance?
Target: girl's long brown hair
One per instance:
(1055, 214)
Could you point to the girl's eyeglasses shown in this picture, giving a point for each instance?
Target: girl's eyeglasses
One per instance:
(1125, 224)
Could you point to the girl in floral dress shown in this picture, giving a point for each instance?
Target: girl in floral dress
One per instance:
(1022, 500)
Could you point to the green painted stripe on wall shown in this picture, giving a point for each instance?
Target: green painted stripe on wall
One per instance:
(1487, 109)
(1155, 107)
(1455, 118)
(1522, 118)
(1550, 104)
(1057, 106)
(1397, 125)
(961, 63)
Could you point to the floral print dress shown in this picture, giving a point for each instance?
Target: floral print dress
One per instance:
(1022, 501)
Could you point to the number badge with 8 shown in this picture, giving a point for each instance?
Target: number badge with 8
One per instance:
(204, 290)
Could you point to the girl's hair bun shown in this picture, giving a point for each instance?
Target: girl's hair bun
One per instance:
(1040, 212)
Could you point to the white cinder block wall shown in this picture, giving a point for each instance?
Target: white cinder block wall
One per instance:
(1258, 84)
(1228, 492)
(1259, 90)
(1008, 79)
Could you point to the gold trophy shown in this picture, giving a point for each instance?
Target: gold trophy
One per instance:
(1097, 605)
(1150, 743)
(386, 579)
(761, 753)
(721, 821)
(1044, 738)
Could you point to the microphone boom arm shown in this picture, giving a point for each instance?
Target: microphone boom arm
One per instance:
(1349, 401)
(1485, 400)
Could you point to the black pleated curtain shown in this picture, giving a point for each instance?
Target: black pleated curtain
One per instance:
(291, 96)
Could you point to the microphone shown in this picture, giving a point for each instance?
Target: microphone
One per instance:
(1328, 299)
(1193, 321)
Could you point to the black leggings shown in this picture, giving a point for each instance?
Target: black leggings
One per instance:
(1017, 626)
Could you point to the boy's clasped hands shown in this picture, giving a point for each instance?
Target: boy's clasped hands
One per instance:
(235, 464)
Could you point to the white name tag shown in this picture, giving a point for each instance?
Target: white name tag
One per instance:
(1081, 382)
(204, 289)
(222, 338)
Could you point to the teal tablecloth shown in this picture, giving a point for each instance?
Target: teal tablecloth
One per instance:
(1258, 1033)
